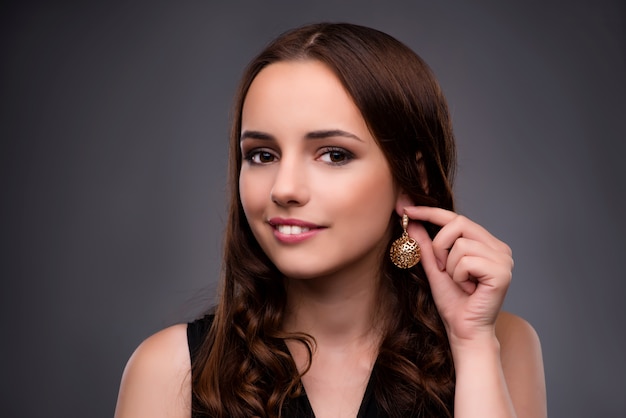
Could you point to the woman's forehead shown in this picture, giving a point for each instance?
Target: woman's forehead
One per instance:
(300, 94)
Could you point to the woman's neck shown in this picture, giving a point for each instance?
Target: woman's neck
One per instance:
(345, 316)
(339, 311)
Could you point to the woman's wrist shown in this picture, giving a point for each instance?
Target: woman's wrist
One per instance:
(481, 389)
(481, 347)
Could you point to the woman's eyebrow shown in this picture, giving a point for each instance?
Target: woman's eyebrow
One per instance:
(255, 135)
(321, 134)
(331, 133)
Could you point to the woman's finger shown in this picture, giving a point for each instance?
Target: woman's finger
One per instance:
(466, 247)
(440, 281)
(437, 216)
(482, 272)
(440, 217)
(454, 226)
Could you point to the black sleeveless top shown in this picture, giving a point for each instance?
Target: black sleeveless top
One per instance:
(299, 407)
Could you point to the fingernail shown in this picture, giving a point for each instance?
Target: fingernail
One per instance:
(440, 265)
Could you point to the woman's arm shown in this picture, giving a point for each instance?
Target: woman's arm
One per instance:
(157, 379)
(502, 376)
(497, 356)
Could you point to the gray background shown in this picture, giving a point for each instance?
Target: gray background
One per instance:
(113, 164)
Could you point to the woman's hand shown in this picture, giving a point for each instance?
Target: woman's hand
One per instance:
(469, 271)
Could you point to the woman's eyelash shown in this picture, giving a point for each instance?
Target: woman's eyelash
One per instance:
(259, 156)
(335, 155)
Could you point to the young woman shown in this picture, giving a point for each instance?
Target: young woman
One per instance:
(350, 286)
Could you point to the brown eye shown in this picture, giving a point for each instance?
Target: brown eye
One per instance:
(336, 156)
(265, 157)
(260, 157)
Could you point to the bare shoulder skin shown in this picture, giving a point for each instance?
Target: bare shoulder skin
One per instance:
(522, 365)
(157, 379)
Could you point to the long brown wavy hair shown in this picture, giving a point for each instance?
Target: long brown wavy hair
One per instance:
(243, 368)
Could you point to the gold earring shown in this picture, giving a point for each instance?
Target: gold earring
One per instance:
(405, 251)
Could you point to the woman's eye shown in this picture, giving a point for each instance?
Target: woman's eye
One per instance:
(336, 156)
(260, 157)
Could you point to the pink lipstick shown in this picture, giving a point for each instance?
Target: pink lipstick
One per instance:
(291, 231)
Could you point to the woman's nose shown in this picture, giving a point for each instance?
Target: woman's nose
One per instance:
(290, 184)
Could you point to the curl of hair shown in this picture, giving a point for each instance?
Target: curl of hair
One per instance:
(244, 368)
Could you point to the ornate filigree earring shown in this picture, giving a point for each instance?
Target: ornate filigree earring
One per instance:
(405, 251)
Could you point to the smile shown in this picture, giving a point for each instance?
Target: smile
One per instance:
(292, 231)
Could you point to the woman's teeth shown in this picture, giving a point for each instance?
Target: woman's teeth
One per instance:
(291, 229)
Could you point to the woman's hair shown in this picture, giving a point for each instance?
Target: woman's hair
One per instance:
(243, 368)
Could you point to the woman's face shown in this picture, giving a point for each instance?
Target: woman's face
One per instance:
(315, 187)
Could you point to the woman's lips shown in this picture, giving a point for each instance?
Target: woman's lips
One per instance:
(292, 231)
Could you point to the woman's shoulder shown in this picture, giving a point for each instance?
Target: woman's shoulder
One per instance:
(517, 338)
(522, 363)
(511, 329)
(157, 378)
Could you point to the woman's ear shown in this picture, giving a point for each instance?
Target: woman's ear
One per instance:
(402, 202)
